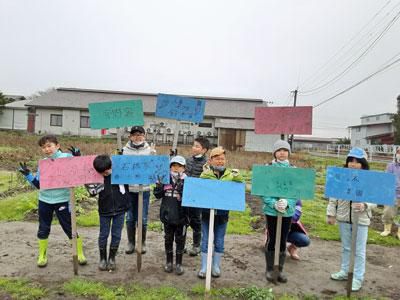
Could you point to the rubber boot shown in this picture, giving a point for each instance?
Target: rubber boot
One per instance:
(42, 258)
(387, 230)
(203, 269)
(103, 259)
(398, 233)
(281, 277)
(170, 259)
(79, 249)
(196, 244)
(179, 268)
(131, 233)
(144, 233)
(111, 258)
(216, 264)
(269, 262)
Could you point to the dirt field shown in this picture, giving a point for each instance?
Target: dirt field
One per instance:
(243, 264)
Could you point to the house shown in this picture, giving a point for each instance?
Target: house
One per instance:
(373, 130)
(14, 115)
(312, 143)
(227, 121)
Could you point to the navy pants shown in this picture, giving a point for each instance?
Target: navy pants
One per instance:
(271, 226)
(113, 224)
(46, 211)
(177, 232)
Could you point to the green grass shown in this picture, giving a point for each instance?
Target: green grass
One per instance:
(88, 219)
(5, 178)
(15, 208)
(21, 289)
(239, 222)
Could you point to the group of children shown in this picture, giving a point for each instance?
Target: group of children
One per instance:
(116, 200)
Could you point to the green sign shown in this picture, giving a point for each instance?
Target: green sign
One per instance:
(116, 114)
(271, 181)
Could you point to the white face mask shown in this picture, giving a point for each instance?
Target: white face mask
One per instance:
(175, 174)
(198, 155)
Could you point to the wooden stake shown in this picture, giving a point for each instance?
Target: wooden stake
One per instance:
(140, 229)
(74, 233)
(210, 250)
(277, 247)
(354, 229)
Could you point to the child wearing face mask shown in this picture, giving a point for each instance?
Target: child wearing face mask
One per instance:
(390, 212)
(274, 206)
(173, 216)
(343, 212)
(216, 170)
(137, 145)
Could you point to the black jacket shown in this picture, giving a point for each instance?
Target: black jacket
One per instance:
(171, 210)
(111, 201)
(194, 166)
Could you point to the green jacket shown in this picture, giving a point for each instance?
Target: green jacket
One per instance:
(269, 202)
(221, 215)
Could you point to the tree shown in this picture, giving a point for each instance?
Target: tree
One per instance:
(343, 141)
(396, 123)
(3, 101)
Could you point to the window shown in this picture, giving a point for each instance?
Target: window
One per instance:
(55, 120)
(358, 129)
(377, 118)
(207, 125)
(85, 122)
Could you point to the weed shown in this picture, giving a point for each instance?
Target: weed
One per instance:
(21, 289)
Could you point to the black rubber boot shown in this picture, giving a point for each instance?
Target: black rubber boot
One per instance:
(131, 233)
(281, 277)
(269, 261)
(144, 233)
(103, 259)
(170, 260)
(179, 268)
(111, 258)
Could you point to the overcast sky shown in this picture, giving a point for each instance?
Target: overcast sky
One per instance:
(249, 48)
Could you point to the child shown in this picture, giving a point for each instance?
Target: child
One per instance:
(389, 212)
(216, 170)
(113, 202)
(172, 214)
(194, 167)
(53, 200)
(343, 212)
(272, 208)
(297, 236)
(137, 145)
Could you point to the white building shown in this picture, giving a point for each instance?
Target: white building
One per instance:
(14, 115)
(374, 129)
(227, 121)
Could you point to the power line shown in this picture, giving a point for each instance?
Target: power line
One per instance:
(361, 81)
(340, 75)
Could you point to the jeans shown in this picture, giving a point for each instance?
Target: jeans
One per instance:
(299, 239)
(132, 214)
(115, 223)
(46, 211)
(361, 245)
(219, 236)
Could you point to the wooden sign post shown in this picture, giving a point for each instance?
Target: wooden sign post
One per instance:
(74, 232)
(140, 229)
(213, 194)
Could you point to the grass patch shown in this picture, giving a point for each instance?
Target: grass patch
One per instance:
(239, 222)
(88, 219)
(21, 289)
(15, 208)
(155, 226)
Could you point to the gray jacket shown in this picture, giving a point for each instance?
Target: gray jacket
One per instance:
(130, 149)
(343, 211)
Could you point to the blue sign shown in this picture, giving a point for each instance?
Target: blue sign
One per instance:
(217, 194)
(139, 169)
(360, 185)
(180, 108)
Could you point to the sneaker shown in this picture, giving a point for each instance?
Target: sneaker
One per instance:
(356, 285)
(341, 275)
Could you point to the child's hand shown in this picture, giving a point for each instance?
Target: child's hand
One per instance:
(120, 151)
(358, 207)
(235, 172)
(331, 220)
(281, 205)
(24, 169)
(75, 151)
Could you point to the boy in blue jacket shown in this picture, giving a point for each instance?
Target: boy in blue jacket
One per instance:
(53, 200)
(113, 202)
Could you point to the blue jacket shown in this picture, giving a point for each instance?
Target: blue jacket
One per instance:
(54, 195)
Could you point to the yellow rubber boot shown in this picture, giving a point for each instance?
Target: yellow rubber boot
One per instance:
(387, 230)
(79, 249)
(42, 258)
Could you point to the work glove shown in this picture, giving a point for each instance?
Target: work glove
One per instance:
(173, 152)
(24, 169)
(120, 151)
(281, 205)
(358, 206)
(235, 172)
(75, 151)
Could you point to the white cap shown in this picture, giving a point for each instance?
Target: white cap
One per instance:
(178, 160)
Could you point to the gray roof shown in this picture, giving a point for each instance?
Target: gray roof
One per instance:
(18, 104)
(73, 98)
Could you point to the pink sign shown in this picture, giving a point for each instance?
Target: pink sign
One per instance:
(68, 172)
(283, 119)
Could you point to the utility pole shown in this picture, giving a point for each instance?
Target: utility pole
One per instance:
(294, 105)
